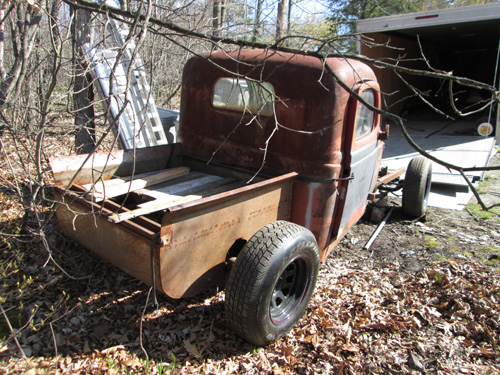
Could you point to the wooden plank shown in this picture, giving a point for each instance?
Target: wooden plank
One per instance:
(119, 217)
(170, 201)
(188, 187)
(391, 176)
(119, 180)
(189, 177)
(103, 191)
(84, 169)
(206, 186)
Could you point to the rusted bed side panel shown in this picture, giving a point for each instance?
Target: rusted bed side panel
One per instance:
(125, 248)
(197, 235)
(200, 236)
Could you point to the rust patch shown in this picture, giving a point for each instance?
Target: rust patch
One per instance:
(167, 235)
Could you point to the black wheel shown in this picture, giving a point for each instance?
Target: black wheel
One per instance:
(271, 282)
(417, 186)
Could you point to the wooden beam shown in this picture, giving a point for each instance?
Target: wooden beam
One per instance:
(157, 206)
(170, 201)
(195, 186)
(390, 176)
(112, 188)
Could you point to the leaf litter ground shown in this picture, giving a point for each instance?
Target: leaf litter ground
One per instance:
(424, 299)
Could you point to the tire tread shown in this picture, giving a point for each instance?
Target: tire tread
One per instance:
(251, 265)
(414, 188)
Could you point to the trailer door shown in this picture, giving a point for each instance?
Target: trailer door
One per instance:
(361, 158)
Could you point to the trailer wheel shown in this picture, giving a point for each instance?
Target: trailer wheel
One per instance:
(417, 186)
(271, 282)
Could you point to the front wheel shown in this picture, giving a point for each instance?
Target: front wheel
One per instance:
(417, 186)
(272, 282)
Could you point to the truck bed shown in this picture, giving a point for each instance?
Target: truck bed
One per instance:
(185, 226)
(150, 193)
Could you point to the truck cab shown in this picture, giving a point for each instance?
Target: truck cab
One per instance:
(275, 113)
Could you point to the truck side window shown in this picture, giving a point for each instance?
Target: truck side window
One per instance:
(365, 116)
(242, 95)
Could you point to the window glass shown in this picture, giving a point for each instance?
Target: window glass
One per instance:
(365, 117)
(242, 95)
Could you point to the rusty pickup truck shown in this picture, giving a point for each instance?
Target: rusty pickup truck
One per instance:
(276, 161)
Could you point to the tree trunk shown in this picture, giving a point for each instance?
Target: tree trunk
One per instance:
(289, 17)
(256, 26)
(83, 96)
(26, 27)
(2, 45)
(55, 13)
(281, 20)
(217, 16)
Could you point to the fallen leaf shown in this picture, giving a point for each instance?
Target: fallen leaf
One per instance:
(112, 349)
(192, 349)
(468, 343)
(486, 353)
(86, 347)
(415, 362)
(351, 348)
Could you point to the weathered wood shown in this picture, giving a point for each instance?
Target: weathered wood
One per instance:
(170, 201)
(105, 190)
(121, 180)
(187, 188)
(391, 176)
(156, 206)
(85, 169)
(207, 188)
(180, 180)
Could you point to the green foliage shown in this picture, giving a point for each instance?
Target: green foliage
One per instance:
(431, 243)
(491, 249)
(482, 187)
(439, 277)
(164, 368)
(476, 210)
(110, 362)
(22, 283)
(312, 28)
(362, 9)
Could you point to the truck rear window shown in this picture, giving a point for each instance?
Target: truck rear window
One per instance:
(365, 116)
(244, 96)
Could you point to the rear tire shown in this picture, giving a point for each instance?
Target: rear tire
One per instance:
(417, 186)
(271, 282)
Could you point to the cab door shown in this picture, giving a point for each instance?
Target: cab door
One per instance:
(361, 158)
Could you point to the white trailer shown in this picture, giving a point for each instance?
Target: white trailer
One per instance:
(462, 40)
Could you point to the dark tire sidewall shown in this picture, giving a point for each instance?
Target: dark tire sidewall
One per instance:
(253, 278)
(268, 330)
(417, 186)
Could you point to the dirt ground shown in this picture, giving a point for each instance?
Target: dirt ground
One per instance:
(425, 298)
(468, 235)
